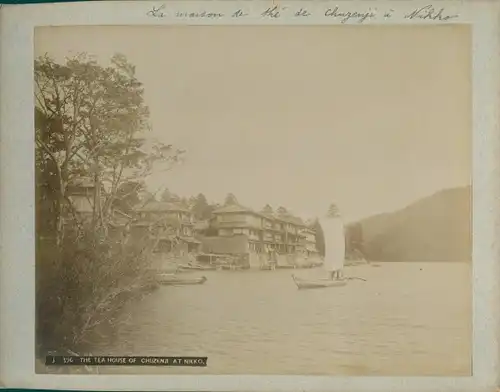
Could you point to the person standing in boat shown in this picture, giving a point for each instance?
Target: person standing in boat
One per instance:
(333, 229)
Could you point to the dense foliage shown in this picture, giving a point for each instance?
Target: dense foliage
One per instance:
(89, 125)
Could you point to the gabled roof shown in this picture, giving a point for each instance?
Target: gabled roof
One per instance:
(289, 218)
(269, 216)
(298, 221)
(234, 208)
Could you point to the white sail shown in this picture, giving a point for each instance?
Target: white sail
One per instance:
(333, 230)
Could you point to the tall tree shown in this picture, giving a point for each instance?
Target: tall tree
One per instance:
(333, 210)
(128, 195)
(169, 196)
(191, 201)
(268, 209)
(184, 202)
(90, 120)
(146, 196)
(230, 200)
(282, 210)
(320, 238)
(201, 209)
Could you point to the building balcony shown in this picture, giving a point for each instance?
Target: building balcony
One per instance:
(236, 224)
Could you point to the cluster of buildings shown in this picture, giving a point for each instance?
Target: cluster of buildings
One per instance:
(232, 229)
(282, 232)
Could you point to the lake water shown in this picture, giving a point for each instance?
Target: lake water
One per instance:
(407, 319)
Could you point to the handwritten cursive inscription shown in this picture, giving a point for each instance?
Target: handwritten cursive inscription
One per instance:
(273, 13)
(239, 14)
(202, 15)
(429, 12)
(335, 13)
(157, 12)
(302, 12)
(346, 16)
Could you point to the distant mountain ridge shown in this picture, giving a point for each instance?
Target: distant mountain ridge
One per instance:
(435, 228)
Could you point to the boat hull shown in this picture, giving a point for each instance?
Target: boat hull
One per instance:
(317, 283)
(197, 267)
(175, 281)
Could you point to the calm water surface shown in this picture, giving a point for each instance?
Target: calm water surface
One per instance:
(406, 319)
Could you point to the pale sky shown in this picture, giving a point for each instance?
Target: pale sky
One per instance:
(370, 117)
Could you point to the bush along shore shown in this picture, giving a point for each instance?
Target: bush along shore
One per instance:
(86, 284)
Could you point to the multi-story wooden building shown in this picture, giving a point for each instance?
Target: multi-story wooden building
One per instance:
(309, 241)
(175, 222)
(264, 231)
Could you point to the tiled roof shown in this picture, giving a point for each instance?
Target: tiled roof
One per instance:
(269, 215)
(233, 208)
(289, 218)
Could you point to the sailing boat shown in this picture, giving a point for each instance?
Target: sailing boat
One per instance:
(333, 229)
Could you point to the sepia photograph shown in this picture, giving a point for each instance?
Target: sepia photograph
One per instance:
(279, 200)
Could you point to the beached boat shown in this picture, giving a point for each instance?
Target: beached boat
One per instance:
(173, 280)
(197, 267)
(318, 283)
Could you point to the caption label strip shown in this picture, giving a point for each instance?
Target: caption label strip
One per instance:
(125, 361)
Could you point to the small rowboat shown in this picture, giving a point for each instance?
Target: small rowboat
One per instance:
(173, 280)
(197, 267)
(318, 283)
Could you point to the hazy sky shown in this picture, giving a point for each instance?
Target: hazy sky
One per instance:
(371, 117)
